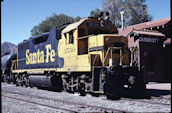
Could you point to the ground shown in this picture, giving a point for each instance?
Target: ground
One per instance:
(10, 105)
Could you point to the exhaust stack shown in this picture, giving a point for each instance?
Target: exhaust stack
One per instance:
(122, 20)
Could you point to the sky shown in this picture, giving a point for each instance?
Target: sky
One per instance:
(18, 17)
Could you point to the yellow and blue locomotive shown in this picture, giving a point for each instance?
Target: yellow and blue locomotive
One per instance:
(86, 56)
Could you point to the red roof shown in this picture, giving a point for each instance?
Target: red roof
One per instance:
(148, 32)
(144, 25)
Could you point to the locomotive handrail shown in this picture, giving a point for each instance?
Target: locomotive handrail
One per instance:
(132, 50)
(14, 64)
(85, 36)
(110, 48)
(95, 59)
(96, 54)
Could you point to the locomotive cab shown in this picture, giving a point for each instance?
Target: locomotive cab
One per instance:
(96, 49)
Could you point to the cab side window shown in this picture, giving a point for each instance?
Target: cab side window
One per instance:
(65, 35)
(40, 39)
(71, 37)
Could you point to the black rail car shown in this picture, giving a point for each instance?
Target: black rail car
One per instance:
(6, 63)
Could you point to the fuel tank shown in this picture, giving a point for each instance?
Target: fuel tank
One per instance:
(50, 81)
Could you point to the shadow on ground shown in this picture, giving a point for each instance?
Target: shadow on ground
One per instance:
(158, 93)
(146, 94)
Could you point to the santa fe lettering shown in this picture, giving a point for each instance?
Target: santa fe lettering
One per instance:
(38, 57)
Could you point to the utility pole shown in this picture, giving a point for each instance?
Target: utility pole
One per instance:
(122, 20)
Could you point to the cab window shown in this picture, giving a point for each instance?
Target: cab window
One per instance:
(40, 39)
(71, 37)
(65, 35)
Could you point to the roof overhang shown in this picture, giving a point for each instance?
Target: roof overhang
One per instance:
(73, 26)
(149, 33)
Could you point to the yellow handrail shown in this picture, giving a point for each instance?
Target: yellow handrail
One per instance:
(111, 48)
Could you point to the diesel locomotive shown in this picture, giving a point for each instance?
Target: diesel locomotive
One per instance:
(86, 56)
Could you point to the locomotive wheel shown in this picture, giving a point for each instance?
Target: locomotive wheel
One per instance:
(18, 81)
(95, 94)
(26, 81)
(82, 89)
(82, 93)
(67, 88)
(5, 78)
(13, 79)
(30, 86)
(66, 85)
(113, 97)
(70, 91)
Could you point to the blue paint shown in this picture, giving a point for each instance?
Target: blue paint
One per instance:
(33, 47)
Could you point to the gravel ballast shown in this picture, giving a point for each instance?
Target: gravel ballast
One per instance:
(12, 106)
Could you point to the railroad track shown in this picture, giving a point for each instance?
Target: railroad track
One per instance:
(148, 101)
(78, 106)
(36, 103)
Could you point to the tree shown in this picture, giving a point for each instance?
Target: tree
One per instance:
(54, 21)
(135, 11)
(95, 13)
(77, 19)
(113, 7)
(35, 31)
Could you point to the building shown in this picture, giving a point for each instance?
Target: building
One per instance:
(153, 41)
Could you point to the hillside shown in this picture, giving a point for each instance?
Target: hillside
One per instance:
(8, 47)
